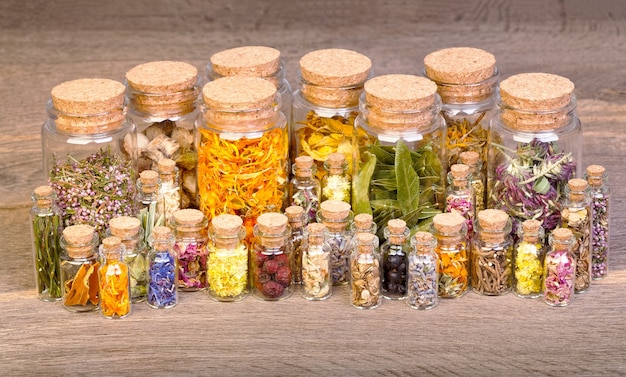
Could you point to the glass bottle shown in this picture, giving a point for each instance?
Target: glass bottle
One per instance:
(365, 281)
(162, 269)
(271, 258)
(89, 151)
(491, 257)
(325, 104)
(559, 271)
(46, 228)
(168, 198)
(316, 279)
(450, 230)
(146, 202)
(395, 251)
(535, 130)
(304, 188)
(227, 265)
(114, 280)
(79, 268)
(128, 229)
(422, 278)
(401, 168)
(190, 231)
(576, 216)
(236, 174)
(477, 178)
(528, 256)
(336, 216)
(600, 199)
(162, 98)
(336, 183)
(363, 223)
(297, 221)
(460, 195)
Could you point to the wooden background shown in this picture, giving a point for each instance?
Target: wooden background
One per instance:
(46, 42)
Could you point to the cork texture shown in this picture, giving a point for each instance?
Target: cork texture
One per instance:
(80, 234)
(363, 221)
(335, 67)
(459, 171)
(251, 61)
(492, 220)
(469, 157)
(124, 226)
(595, 170)
(149, 177)
(335, 209)
(423, 241)
(162, 77)
(111, 243)
(336, 160)
(227, 225)
(272, 223)
(88, 96)
(450, 222)
(316, 228)
(43, 191)
(365, 242)
(536, 91)
(577, 184)
(294, 213)
(166, 166)
(161, 233)
(531, 226)
(562, 234)
(460, 65)
(399, 92)
(188, 216)
(396, 225)
(238, 93)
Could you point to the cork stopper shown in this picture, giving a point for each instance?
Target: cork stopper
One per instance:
(423, 242)
(112, 247)
(189, 222)
(493, 225)
(335, 214)
(563, 238)
(250, 61)
(363, 221)
(79, 240)
(397, 228)
(166, 166)
(227, 229)
(295, 215)
(595, 175)
(532, 230)
(149, 181)
(335, 163)
(459, 174)
(273, 227)
(365, 242)
(304, 166)
(448, 223)
(470, 158)
(577, 187)
(316, 233)
(162, 237)
(124, 227)
(42, 196)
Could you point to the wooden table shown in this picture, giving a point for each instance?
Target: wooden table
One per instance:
(44, 43)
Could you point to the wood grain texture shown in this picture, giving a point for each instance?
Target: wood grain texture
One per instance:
(46, 42)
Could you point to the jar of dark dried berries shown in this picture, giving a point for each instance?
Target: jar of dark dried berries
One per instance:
(394, 252)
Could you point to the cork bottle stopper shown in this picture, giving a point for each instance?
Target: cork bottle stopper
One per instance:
(577, 187)
(295, 214)
(272, 226)
(424, 241)
(448, 223)
(469, 158)
(335, 214)
(335, 162)
(43, 196)
(316, 233)
(562, 238)
(189, 222)
(112, 247)
(363, 221)
(396, 231)
(149, 181)
(166, 166)
(162, 237)
(124, 227)
(459, 174)
(79, 240)
(365, 242)
(531, 229)
(304, 166)
(250, 61)
(595, 175)
(493, 223)
(227, 229)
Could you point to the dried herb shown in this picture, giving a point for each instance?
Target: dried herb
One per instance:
(227, 270)
(453, 270)
(599, 234)
(577, 220)
(528, 269)
(114, 289)
(162, 286)
(464, 135)
(559, 272)
(46, 228)
(422, 281)
(192, 255)
(491, 268)
(316, 279)
(81, 287)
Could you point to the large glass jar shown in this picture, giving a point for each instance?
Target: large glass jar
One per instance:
(128, 229)
(600, 199)
(304, 188)
(316, 279)
(162, 98)
(422, 279)
(559, 268)
(243, 149)
(190, 230)
(297, 221)
(450, 230)
(114, 278)
(162, 269)
(89, 151)
(395, 251)
(365, 280)
(336, 215)
(528, 256)
(79, 268)
(400, 168)
(576, 216)
(535, 147)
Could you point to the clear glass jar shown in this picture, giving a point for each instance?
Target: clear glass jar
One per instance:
(89, 152)
(316, 279)
(162, 269)
(168, 198)
(460, 195)
(422, 281)
(491, 258)
(45, 230)
(79, 268)
(450, 230)
(365, 280)
(236, 174)
(227, 265)
(576, 216)
(297, 221)
(336, 183)
(162, 98)
(559, 268)
(271, 258)
(190, 230)
(600, 199)
(336, 216)
(395, 251)
(147, 191)
(528, 256)
(128, 229)
(304, 188)
(114, 277)
(400, 171)
(536, 130)
(477, 178)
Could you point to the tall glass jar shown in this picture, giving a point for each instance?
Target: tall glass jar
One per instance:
(271, 258)
(600, 199)
(162, 269)
(190, 231)
(365, 280)
(450, 230)
(325, 105)
(168, 198)
(114, 280)
(46, 228)
(128, 230)
(528, 256)
(89, 152)
(422, 281)
(576, 215)
(535, 147)
(162, 98)
(395, 251)
(337, 183)
(460, 195)
(477, 180)
(559, 268)
(243, 149)
(491, 257)
(316, 279)
(227, 265)
(79, 268)
(297, 222)
(400, 168)
(304, 188)
(335, 215)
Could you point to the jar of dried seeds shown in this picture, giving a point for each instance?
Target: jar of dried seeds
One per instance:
(576, 215)
(297, 222)
(365, 280)
(422, 278)
(316, 279)
(336, 215)
(395, 251)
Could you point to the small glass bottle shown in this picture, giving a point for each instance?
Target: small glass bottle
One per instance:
(600, 199)
(316, 279)
(395, 251)
(422, 278)
(576, 216)
(168, 198)
(528, 256)
(336, 183)
(559, 271)
(297, 221)
(450, 230)
(491, 257)
(227, 265)
(79, 268)
(162, 98)
(114, 280)
(477, 180)
(363, 223)
(271, 258)
(129, 230)
(162, 269)
(365, 280)
(336, 216)
(46, 228)
(460, 195)
(304, 188)
(190, 231)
